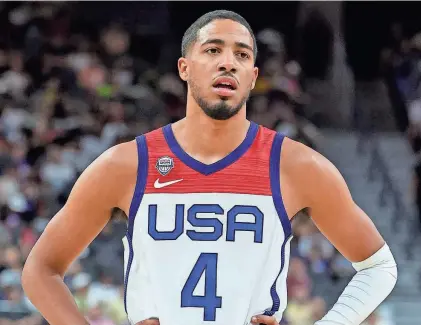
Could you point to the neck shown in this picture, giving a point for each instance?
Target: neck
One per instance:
(209, 140)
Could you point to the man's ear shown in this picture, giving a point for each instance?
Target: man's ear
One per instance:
(183, 68)
(256, 74)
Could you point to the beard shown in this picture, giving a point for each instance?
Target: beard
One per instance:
(220, 111)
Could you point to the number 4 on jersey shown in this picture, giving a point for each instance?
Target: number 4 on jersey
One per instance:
(207, 264)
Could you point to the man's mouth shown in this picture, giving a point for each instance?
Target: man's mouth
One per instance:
(225, 83)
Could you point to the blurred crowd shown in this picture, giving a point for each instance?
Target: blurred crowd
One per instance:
(401, 65)
(67, 96)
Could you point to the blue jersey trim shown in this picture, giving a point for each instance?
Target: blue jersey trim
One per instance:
(220, 164)
(142, 174)
(275, 184)
(274, 170)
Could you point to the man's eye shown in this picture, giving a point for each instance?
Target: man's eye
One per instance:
(243, 55)
(212, 51)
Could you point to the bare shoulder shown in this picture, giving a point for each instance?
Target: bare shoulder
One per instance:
(110, 178)
(308, 173)
(121, 158)
(298, 157)
(116, 164)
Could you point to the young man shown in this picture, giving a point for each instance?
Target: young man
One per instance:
(209, 201)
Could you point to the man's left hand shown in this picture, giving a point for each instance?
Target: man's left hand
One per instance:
(263, 319)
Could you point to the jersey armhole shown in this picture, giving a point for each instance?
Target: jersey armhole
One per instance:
(275, 183)
(142, 176)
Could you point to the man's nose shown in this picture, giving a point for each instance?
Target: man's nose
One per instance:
(227, 63)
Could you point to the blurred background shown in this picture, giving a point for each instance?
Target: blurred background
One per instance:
(79, 77)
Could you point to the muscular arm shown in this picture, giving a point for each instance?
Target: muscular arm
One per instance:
(323, 190)
(318, 185)
(105, 184)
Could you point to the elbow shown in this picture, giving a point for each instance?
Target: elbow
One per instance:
(392, 269)
(395, 272)
(29, 275)
(33, 274)
(393, 276)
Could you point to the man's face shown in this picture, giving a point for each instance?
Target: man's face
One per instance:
(219, 68)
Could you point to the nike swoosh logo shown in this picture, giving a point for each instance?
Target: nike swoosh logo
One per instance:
(157, 184)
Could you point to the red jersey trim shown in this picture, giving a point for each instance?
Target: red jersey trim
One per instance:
(249, 174)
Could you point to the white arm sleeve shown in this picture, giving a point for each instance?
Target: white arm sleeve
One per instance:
(375, 279)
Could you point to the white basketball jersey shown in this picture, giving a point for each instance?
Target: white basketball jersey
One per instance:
(207, 244)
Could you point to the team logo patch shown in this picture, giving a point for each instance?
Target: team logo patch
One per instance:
(164, 165)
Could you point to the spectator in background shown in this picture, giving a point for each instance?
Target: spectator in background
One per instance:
(400, 63)
(15, 81)
(56, 172)
(302, 308)
(93, 78)
(285, 119)
(319, 308)
(408, 76)
(259, 111)
(104, 290)
(9, 185)
(12, 264)
(116, 311)
(107, 251)
(80, 285)
(96, 315)
(14, 302)
(340, 267)
(298, 277)
(315, 248)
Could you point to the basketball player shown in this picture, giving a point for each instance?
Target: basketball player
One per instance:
(209, 201)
